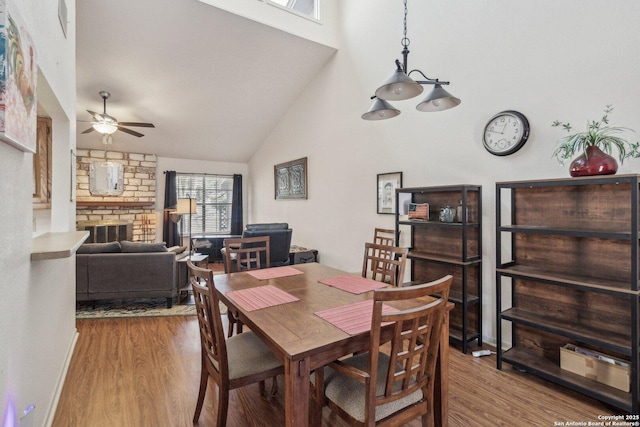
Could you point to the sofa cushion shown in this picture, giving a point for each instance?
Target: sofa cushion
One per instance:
(140, 247)
(99, 248)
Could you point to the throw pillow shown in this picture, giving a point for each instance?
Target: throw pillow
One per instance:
(129, 247)
(99, 248)
(177, 249)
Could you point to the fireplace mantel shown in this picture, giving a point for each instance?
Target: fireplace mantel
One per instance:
(127, 204)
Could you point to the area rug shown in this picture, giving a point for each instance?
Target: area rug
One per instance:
(144, 307)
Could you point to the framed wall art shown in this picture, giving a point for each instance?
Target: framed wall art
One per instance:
(291, 179)
(18, 76)
(386, 191)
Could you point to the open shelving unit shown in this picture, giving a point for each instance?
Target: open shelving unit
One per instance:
(567, 273)
(441, 248)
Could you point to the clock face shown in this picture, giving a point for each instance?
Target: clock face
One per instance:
(505, 133)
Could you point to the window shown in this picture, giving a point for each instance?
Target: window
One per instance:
(214, 195)
(304, 7)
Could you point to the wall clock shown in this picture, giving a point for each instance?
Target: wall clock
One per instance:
(505, 133)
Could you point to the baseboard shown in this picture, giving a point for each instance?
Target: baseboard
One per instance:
(51, 412)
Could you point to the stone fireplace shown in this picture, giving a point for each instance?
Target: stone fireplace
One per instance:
(129, 216)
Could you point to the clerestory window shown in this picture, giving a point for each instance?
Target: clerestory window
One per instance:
(307, 8)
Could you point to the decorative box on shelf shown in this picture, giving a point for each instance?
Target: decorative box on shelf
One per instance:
(595, 366)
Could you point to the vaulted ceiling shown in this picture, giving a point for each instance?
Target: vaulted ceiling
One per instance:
(214, 84)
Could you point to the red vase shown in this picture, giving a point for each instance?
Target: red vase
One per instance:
(593, 162)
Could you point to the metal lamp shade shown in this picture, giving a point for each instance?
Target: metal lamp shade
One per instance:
(380, 110)
(399, 87)
(438, 100)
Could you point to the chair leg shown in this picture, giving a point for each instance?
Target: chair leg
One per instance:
(223, 407)
(263, 391)
(233, 320)
(274, 387)
(204, 378)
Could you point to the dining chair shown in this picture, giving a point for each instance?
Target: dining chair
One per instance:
(234, 362)
(244, 254)
(384, 263)
(384, 236)
(389, 389)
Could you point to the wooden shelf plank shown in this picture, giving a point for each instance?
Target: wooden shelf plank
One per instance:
(588, 335)
(574, 280)
(442, 259)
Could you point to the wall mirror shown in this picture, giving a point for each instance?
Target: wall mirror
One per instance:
(106, 179)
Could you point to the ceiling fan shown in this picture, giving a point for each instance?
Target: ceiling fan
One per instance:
(106, 124)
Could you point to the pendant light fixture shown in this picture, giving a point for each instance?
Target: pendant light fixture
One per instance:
(401, 87)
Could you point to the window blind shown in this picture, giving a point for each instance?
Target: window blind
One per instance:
(214, 196)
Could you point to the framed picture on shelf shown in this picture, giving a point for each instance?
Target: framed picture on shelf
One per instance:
(291, 179)
(386, 185)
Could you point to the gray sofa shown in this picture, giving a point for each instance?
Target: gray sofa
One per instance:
(125, 270)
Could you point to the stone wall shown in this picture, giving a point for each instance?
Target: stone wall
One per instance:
(135, 204)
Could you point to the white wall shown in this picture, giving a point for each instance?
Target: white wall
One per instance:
(37, 310)
(549, 60)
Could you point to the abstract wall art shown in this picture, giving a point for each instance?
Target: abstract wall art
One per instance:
(18, 77)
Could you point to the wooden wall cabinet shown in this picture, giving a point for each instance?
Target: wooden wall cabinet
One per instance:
(440, 248)
(567, 273)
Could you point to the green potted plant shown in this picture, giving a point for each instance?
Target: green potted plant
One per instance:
(595, 146)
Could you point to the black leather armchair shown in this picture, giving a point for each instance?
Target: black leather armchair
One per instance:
(280, 238)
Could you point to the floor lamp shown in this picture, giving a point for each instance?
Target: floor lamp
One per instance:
(188, 206)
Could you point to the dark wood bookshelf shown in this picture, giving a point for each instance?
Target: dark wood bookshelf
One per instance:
(567, 273)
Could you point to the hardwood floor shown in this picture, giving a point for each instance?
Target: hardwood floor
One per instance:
(143, 372)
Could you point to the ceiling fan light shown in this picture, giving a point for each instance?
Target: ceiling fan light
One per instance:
(438, 100)
(105, 128)
(380, 110)
(399, 87)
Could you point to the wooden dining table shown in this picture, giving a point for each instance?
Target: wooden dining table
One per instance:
(303, 341)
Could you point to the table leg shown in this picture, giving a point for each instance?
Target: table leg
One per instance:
(441, 397)
(296, 378)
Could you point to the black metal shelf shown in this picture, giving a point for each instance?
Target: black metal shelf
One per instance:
(449, 248)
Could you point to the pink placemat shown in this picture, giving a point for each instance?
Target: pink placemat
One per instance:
(274, 273)
(353, 284)
(261, 297)
(352, 318)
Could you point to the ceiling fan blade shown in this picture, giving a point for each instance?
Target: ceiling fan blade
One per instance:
(89, 130)
(96, 116)
(129, 131)
(144, 125)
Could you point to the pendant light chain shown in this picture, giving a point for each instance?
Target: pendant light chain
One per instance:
(405, 40)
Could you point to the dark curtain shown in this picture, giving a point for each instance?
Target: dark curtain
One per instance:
(170, 228)
(236, 206)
